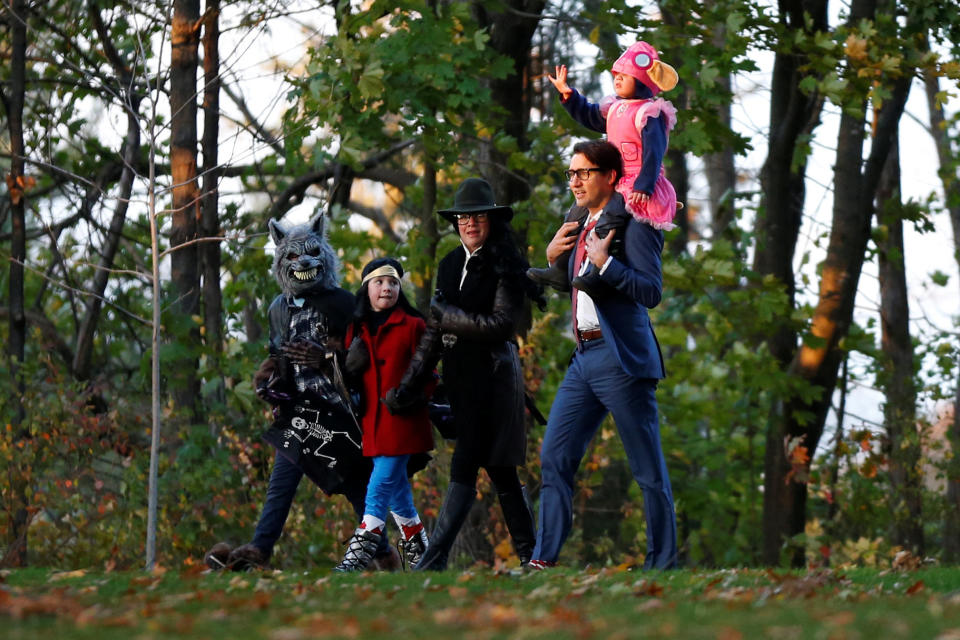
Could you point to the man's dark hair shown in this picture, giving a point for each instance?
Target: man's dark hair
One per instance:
(601, 153)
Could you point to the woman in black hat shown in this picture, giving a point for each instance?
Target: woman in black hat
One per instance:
(478, 302)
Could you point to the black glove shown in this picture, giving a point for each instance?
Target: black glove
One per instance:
(402, 400)
(306, 353)
(358, 358)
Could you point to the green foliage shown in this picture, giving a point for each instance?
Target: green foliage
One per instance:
(716, 399)
(396, 71)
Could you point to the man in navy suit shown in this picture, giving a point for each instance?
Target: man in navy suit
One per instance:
(617, 363)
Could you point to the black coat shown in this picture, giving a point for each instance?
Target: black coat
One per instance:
(316, 432)
(481, 371)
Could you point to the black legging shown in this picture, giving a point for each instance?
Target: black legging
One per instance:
(463, 470)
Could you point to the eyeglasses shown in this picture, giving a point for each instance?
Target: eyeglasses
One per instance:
(464, 218)
(583, 174)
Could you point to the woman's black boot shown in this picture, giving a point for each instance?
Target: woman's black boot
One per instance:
(453, 513)
(518, 515)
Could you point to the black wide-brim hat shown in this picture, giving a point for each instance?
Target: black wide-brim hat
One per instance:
(474, 195)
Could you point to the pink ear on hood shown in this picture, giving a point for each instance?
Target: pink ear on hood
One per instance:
(641, 61)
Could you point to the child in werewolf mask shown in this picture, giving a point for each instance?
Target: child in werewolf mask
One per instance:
(314, 431)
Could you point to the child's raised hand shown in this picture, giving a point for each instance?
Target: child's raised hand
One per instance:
(560, 81)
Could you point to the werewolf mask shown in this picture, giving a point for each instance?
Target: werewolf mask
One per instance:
(303, 259)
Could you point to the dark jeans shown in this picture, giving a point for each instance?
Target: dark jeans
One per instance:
(284, 480)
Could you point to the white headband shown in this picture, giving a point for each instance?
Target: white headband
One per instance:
(385, 270)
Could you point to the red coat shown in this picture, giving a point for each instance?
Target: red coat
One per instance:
(391, 349)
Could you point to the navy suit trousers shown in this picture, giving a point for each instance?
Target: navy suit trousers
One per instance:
(594, 385)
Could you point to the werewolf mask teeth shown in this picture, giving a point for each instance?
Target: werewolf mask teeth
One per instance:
(309, 274)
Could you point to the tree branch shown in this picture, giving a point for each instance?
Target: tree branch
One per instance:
(294, 193)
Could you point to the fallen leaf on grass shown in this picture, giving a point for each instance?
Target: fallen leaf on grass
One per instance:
(449, 616)
(54, 604)
(239, 582)
(729, 633)
(544, 591)
(916, 587)
(906, 561)
(783, 633)
(566, 617)
(644, 588)
(949, 634)
(483, 616)
(142, 581)
(649, 605)
(66, 575)
(457, 592)
(841, 618)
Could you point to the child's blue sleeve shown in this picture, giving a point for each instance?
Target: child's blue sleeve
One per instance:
(585, 112)
(654, 138)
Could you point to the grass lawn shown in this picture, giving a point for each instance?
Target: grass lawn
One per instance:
(562, 603)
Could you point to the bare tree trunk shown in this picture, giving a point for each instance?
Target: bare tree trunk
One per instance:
(184, 268)
(951, 189)
(209, 216)
(430, 231)
(679, 176)
(16, 554)
(834, 482)
(818, 359)
(896, 375)
(131, 149)
(720, 167)
(792, 114)
(675, 160)
(511, 34)
(252, 325)
(153, 481)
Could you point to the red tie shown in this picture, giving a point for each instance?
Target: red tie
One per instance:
(578, 257)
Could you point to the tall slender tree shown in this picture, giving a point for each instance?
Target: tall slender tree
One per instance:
(126, 88)
(210, 202)
(794, 114)
(17, 185)
(949, 162)
(897, 365)
(184, 261)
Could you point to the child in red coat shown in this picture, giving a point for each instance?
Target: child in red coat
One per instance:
(380, 344)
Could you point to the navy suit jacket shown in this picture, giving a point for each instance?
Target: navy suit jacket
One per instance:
(638, 281)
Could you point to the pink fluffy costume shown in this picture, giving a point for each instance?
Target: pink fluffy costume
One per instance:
(639, 127)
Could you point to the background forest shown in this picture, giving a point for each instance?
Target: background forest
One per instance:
(145, 145)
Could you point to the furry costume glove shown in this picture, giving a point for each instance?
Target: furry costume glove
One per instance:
(306, 353)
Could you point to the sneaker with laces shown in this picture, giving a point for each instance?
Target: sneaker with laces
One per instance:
(361, 548)
(413, 544)
(540, 565)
